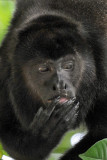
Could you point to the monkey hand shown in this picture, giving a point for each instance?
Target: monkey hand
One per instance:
(51, 123)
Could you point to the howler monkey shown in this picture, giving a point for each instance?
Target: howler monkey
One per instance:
(53, 76)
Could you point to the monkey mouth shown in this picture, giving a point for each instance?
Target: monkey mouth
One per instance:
(62, 98)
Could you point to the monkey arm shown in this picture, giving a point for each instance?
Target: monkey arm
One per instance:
(44, 133)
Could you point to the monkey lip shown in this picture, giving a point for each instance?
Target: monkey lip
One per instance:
(62, 98)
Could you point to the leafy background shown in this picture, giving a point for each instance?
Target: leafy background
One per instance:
(6, 10)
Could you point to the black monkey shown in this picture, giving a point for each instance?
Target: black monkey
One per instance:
(53, 76)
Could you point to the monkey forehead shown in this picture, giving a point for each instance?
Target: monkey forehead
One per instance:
(52, 36)
(52, 45)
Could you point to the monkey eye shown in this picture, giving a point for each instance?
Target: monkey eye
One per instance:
(68, 66)
(44, 68)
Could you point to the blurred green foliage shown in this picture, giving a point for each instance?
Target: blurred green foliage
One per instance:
(63, 146)
(6, 10)
(2, 152)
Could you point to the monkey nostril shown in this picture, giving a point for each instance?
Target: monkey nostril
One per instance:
(54, 88)
(65, 87)
(61, 86)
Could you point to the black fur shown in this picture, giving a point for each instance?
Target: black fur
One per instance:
(58, 31)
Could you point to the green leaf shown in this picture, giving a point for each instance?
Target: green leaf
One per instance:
(97, 152)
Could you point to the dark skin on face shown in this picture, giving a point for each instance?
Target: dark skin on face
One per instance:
(52, 76)
(57, 77)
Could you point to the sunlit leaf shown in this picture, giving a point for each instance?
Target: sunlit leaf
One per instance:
(97, 152)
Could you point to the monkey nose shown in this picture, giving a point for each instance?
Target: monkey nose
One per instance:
(59, 86)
